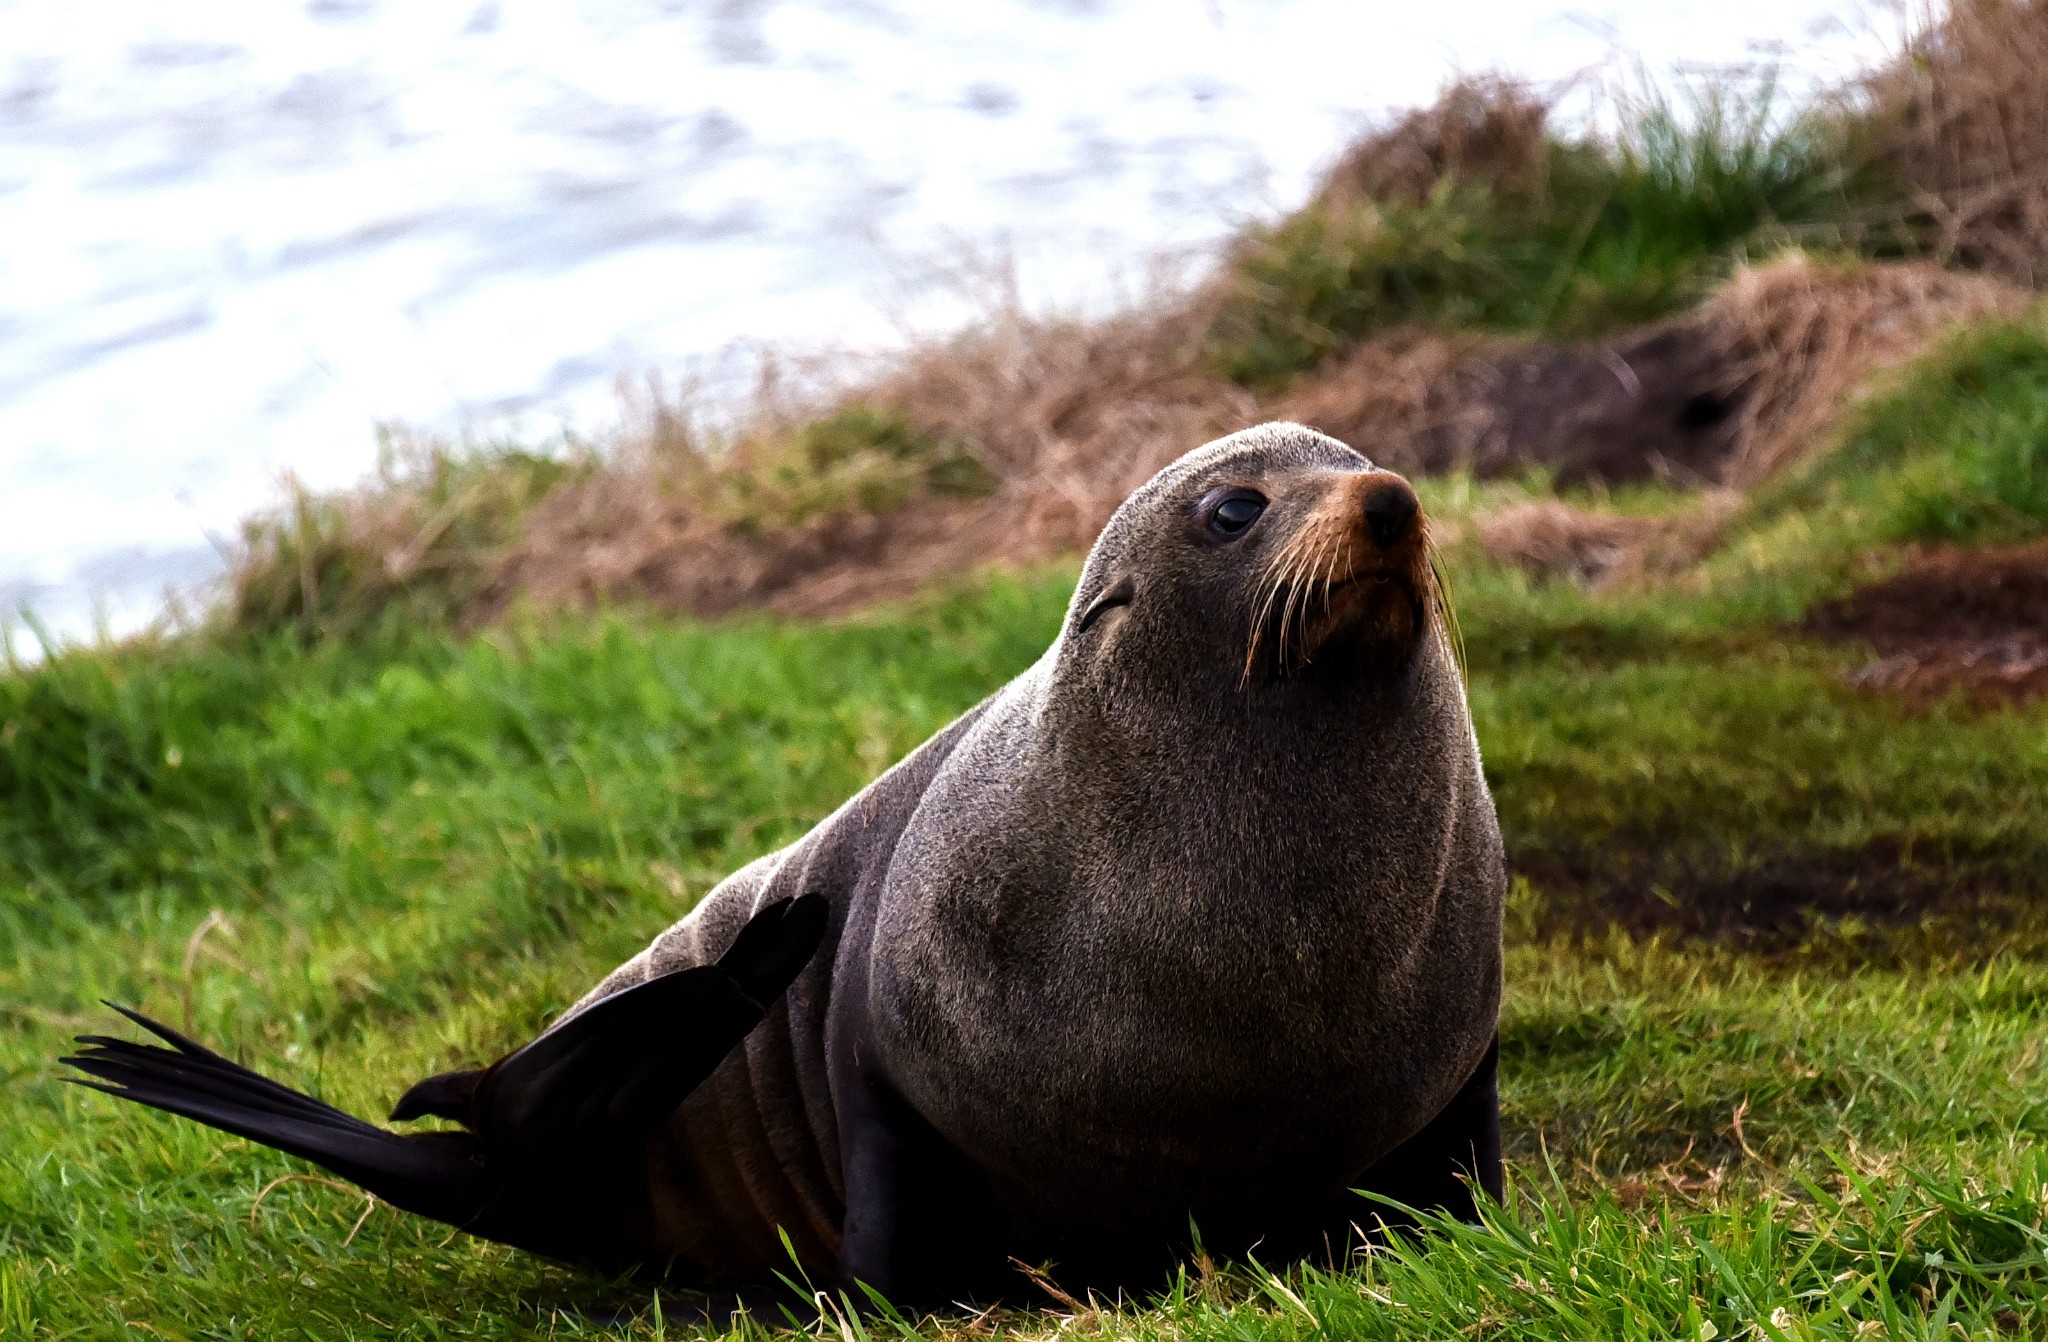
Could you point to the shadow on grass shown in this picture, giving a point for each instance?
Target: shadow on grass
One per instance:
(1800, 898)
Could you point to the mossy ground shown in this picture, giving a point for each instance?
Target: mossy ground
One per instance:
(353, 861)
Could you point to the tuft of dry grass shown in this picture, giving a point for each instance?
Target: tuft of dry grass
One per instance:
(425, 536)
(1552, 538)
(1549, 537)
(1960, 121)
(1488, 130)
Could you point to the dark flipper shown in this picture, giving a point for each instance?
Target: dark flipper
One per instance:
(1437, 1169)
(619, 1067)
(446, 1095)
(434, 1174)
(556, 1127)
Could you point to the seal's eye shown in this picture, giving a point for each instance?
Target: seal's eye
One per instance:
(1232, 514)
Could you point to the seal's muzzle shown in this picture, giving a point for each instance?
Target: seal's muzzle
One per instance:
(1354, 572)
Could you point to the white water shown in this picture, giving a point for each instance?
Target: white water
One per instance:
(235, 236)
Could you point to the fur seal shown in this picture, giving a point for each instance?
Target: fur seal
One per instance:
(1194, 927)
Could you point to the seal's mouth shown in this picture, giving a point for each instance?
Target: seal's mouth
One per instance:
(1354, 575)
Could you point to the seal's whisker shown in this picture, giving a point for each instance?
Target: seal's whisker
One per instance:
(1295, 573)
(1318, 576)
(1441, 600)
(1313, 575)
(1283, 588)
(1276, 570)
(1286, 616)
(1312, 571)
(1340, 548)
(1297, 582)
(1256, 634)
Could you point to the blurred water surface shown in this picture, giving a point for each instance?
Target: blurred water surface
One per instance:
(234, 236)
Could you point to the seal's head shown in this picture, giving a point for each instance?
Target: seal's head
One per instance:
(1274, 554)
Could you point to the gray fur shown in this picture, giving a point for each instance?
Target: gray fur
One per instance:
(1133, 933)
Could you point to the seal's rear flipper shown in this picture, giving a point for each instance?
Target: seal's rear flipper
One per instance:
(555, 1128)
(434, 1174)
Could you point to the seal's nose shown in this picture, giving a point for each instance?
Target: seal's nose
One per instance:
(1390, 512)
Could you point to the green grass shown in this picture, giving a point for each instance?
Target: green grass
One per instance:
(1904, 1258)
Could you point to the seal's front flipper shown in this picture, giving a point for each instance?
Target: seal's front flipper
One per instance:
(615, 1070)
(923, 1226)
(1437, 1169)
(446, 1095)
(555, 1153)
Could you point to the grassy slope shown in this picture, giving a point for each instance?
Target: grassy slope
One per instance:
(420, 847)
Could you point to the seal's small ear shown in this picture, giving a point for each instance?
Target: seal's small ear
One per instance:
(1118, 593)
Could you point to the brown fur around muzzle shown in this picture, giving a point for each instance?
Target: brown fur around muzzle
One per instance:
(1357, 567)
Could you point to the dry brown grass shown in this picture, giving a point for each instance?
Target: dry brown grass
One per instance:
(1486, 130)
(1960, 120)
(1553, 538)
(1065, 417)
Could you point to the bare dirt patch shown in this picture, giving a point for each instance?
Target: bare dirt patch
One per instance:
(1974, 621)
